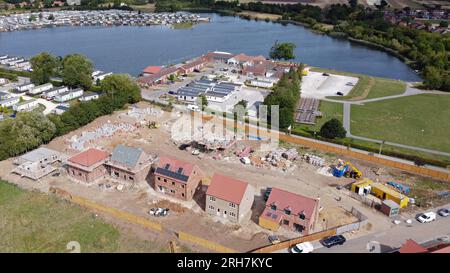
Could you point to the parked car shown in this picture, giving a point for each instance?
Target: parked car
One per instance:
(158, 212)
(333, 240)
(340, 93)
(267, 193)
(273, 239)
(305, 247)
(325, 74)
(444, 212)
(172, 92)
(427, 217)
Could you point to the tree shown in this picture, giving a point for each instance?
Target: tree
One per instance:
(77, 71)
(202, 101)
(332, 129)
(432, 77)
(121, 88)
(51, 17)
(443, 24)
(32, 18)
(44, 66)
(283, 51)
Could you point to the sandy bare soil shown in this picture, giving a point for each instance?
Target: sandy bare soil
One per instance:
(189, 216)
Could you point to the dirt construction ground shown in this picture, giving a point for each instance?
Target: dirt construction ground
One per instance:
(189, 216)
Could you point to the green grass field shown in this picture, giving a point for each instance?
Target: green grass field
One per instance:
(420, 120)
(367, 87)
(35, 222)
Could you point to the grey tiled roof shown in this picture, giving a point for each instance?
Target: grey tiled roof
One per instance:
(126, 155)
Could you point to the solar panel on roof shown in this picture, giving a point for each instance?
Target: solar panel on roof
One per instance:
(173, 175)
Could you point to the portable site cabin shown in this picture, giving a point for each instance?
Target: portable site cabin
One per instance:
(362, 187)
(386, 193)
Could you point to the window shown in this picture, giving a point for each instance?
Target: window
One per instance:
(273, 207)
(159, 178)
(212, 198)
(225, 212)
(172, 191)
(165, 180)
(211, 207)
(287, 211)
(167, 166)
(116, 174)
(131, 178)
(173, 183)
(285, 222)
(180, 170)
(233, 205)
(182, 186)
(302, 216)
(182, 194)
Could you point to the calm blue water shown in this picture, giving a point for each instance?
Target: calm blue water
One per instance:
(130, 49)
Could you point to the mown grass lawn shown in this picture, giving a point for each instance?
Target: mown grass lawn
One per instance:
(386, 87)
(420, 120)
(36, 222)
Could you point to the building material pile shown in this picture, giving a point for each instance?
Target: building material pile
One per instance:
(141, 113)
(106, 130)
(314, 160)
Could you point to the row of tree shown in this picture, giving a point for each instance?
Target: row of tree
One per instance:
(75, 69)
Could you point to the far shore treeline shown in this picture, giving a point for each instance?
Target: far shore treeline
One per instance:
(29, 130)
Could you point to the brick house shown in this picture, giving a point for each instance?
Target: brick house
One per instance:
(88, 165)
(197, 64)
(289, 210)
(177, 178)
(129, 164)
(229, 198)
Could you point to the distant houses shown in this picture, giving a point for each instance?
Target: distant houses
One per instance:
(69, 95)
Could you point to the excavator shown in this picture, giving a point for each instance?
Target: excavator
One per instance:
(352, 171)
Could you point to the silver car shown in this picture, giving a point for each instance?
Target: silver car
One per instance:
(444, 212)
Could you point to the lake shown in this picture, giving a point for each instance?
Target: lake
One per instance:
(129, 49)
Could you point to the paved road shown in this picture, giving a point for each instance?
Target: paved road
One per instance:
(394, 237)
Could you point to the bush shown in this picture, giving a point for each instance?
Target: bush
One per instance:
(332, 129)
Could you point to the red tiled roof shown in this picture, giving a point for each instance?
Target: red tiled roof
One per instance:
(194, 63)
(175, 164)
(410, 246)
(442, 250)
(256, 69)
(89, 157)
(159, 75)
(295, 202)
(152, 69)
(227, 188)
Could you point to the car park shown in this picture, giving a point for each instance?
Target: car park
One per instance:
(427, 217)
(444, 212)
(305, 247)
(333, 240)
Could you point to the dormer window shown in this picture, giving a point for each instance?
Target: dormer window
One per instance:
(302, 216)
(180, 170)
(167, 166)
(273, 207)
(287, 211)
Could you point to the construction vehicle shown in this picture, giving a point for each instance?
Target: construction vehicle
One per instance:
(346, 169)
(153, 125)
(352, 171)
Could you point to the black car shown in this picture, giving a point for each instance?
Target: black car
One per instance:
(172, 92)
(267, 193)
(325, 74)
(333, 240)
(340, 93)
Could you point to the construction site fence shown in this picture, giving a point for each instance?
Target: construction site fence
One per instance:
(364, 200)
(362, 220)
(142, 221)
(183, 236)
(442, 175)
(289, 243)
